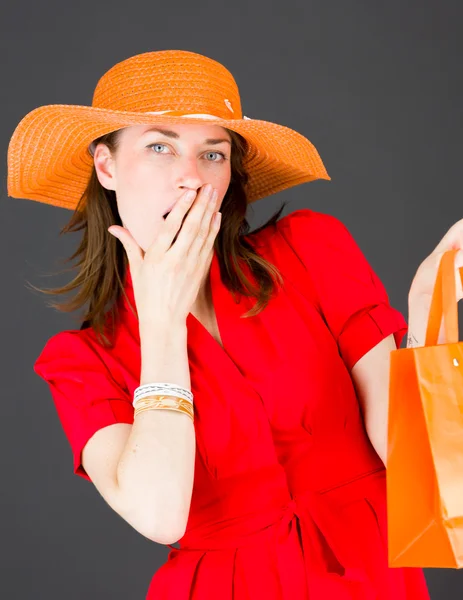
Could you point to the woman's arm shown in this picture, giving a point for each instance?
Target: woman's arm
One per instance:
(155, 472)
(371, 375)
(146, 473)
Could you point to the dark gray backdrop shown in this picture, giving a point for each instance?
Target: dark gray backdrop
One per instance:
(376, 86)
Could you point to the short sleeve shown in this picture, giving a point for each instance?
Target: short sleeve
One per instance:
(86, 394)
(349, 294)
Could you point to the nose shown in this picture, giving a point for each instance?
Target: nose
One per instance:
(188, 175)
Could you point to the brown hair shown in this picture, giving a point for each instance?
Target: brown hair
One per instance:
(103, 261)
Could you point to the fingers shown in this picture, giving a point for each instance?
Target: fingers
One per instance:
(207, 232)
(452, 239)
(194, 231)
(134, 253)
(173, 223)
(186, 229)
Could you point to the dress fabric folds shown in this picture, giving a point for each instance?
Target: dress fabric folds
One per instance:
(289, 495)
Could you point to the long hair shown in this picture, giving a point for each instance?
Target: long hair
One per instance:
(102, 260)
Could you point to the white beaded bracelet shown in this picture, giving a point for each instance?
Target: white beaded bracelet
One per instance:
(166, 389)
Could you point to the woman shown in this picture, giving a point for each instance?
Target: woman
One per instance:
(273, 479)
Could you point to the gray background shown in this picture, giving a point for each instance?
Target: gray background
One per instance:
(376, 86)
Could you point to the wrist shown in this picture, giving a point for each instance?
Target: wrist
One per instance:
(161, 327)
(418, 315)
(412, 340)
(160, 337)
(164, 354)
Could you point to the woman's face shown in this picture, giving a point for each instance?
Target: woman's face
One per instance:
(155, 165)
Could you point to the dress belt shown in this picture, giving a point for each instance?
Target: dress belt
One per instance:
(310, 534)
(309, 529)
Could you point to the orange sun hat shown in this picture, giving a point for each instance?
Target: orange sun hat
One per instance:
(50, 155)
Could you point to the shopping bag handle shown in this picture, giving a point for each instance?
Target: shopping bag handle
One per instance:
(444, 303)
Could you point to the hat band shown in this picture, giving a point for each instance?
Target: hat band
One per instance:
(178, 113)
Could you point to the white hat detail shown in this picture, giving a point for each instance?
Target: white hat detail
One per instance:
(228, 105)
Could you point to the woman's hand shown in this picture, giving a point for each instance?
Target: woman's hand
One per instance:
(167, 277)
(421, 290)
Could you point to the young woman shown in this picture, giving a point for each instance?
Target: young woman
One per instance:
(227, 389)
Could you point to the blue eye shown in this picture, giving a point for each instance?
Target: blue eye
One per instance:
(152, 145)
(221, 154)
(207, 153)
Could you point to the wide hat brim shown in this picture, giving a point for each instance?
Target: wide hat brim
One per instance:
(49, 161)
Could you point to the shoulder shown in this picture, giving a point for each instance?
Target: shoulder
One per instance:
(65, 341)
(308, 231)
(72, 346)
(306, 222)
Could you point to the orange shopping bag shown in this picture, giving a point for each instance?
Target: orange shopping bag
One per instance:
(425, 439)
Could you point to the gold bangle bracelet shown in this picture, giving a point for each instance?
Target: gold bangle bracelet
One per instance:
(165, 408)
(163, 402)
(161, 407)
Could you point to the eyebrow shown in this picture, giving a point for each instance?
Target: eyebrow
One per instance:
(175, 135)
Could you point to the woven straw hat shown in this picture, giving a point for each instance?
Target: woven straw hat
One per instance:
(50, 156)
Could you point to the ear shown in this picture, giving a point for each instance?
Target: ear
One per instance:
(105, 167)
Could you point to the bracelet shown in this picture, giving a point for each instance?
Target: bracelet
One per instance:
(163, 402)
(148, 389)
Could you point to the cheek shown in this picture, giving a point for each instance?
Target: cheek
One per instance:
(136, 175)
(140, 193)
(221, 182)
(140, 187)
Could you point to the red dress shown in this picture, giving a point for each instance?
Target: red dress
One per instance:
(289, 497)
